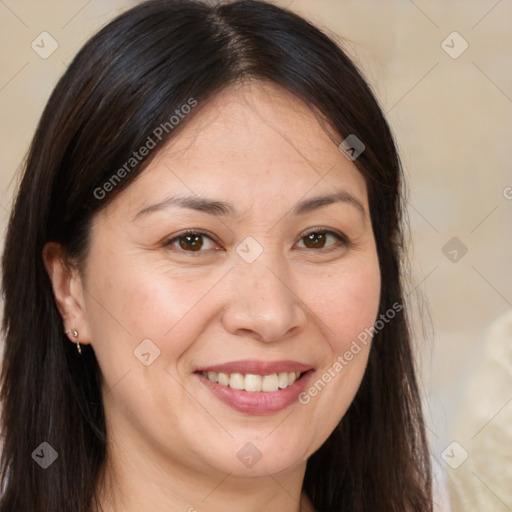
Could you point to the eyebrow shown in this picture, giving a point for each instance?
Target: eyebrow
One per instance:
(325, 200)
(221, 208)
(201, 204)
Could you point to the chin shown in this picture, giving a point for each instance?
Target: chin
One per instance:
(258, 456)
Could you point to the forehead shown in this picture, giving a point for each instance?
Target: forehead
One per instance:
(252, 142)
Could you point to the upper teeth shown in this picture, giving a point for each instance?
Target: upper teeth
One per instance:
(253, 383)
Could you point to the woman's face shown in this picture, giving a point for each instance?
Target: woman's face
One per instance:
(244, 253)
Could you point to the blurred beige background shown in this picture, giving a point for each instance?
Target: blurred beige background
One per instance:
(450, 106)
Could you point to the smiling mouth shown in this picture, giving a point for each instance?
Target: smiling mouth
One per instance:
(253, 383)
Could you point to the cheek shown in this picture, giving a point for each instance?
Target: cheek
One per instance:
(131, 302)
(346, 304)
(346, 301)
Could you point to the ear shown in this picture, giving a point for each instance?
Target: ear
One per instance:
(68, 291)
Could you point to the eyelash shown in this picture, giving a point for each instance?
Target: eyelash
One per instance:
(341, 238)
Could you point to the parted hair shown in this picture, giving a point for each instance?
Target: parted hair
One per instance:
(128, 79)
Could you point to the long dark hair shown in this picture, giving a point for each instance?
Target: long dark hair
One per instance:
(128, 80)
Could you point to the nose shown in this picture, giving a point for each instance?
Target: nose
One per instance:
(262, 303)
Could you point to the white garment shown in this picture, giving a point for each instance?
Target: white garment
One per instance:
(483, 428)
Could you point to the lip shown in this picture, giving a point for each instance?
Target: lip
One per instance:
(259, 402)
(257, 367)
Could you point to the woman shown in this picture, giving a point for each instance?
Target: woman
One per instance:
(203, 304)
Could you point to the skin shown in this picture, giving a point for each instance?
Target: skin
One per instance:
(172, 443)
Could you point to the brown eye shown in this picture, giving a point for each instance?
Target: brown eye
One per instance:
(315, 240)
(191, 242)
(322, 240)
